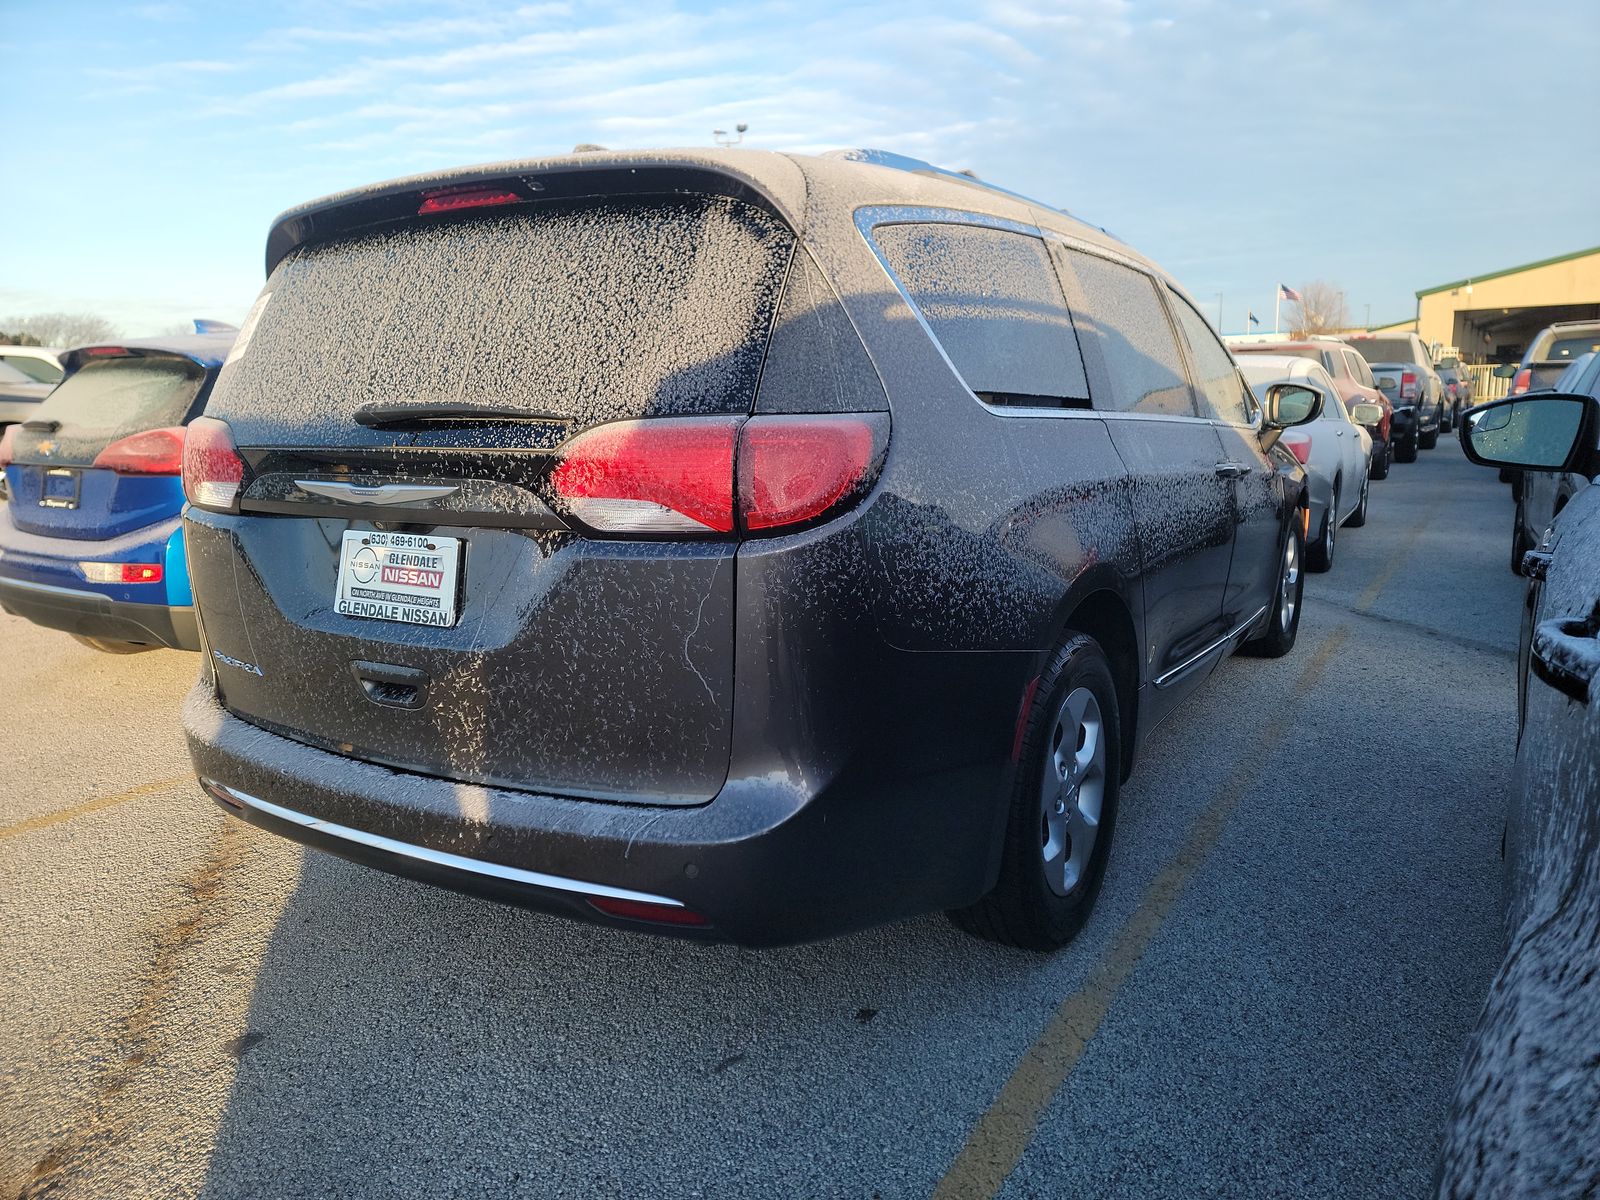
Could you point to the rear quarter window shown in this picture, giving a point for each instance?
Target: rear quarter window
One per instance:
(1125, 321)
(992, 300)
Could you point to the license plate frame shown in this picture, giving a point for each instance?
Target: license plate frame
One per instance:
(408, 578)
(60, 488)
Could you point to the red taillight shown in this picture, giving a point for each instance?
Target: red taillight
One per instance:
(453, 199)
(643, 910)
(1299, 445)
(1408, 386)
(794, 469)
(678, 476)
(154, 452)
(106, 352)
(7, 450)
(651, 476)
(1522, 382)
(212, 468)
(112, 572)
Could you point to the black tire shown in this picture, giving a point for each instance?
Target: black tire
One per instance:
(1381, 460)
(1359, 518)
(1519, 541)
(1023, 909)
(1428, 438)
(1319, 554)
(1283, 624)
(1406, 452)
(110, 646)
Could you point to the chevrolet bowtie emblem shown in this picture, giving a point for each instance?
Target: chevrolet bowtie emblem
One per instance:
(47, 448)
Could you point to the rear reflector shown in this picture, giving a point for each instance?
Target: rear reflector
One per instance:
(1299, 445)
(104, 572)
(154, 452)
(212, 468)
(678, 476)
(454, 199)
(640, 910)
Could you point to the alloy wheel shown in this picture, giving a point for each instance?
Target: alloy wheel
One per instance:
(1287, 590)
(1071, 790)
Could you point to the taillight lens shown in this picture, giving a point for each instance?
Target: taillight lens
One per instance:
(651, 476)
(1408, 386)
(7, 450)
(1299, 445)
(1522, 382)
(154, 452)
(795, 469)
(716, 475)
(111, 572)
(212, 468)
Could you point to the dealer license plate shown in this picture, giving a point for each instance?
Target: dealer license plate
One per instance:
(398, 577)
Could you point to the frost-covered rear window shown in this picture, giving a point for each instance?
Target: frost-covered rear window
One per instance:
(111, 398)
(992, 299)
(596, 311)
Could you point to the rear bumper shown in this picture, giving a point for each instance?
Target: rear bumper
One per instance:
(765, 863)
(89, 614)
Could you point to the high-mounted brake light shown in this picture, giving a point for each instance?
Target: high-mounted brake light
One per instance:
(678, 475)
(212, 468)
(107, 352)
(1408, 385)
(1298, 444)
(154, 452)
(1522, 382)
(453, 199)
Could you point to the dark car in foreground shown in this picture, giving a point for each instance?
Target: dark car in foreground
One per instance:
(90, 540)
(1527, 1104)
(741, 545)
(1404, 372)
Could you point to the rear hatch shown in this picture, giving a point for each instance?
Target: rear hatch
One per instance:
(99, 458)
(397, 583)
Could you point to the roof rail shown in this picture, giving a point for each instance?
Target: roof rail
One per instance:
(903, 162)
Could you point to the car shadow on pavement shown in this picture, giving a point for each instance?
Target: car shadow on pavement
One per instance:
(404, 1040)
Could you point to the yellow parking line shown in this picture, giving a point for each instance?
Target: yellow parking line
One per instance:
(89, 806)
(996, 1143)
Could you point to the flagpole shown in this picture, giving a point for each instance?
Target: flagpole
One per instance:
(1276, 305)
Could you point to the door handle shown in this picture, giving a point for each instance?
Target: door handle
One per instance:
(1536, 564)
(1232, 470)
(1566, 654)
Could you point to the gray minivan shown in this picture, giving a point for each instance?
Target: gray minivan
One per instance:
(740, 545)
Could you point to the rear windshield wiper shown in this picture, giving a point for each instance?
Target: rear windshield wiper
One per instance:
(447, 413)
(41, 425)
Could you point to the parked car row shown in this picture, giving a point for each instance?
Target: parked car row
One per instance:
(739, 545)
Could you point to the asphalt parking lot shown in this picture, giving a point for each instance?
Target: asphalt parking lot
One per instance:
(1298, 927)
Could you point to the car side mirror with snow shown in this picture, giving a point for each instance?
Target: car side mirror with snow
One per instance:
(1548, 431)
(1366, 414)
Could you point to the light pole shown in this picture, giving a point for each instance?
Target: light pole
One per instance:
(721, 135)
(1369, 317)
(1219, 312)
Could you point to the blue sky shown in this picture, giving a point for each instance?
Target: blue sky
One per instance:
(1377, 146)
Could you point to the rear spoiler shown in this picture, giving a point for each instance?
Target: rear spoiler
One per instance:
(208, 350)
(405, 200)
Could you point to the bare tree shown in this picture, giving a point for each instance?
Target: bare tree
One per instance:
(1320, 309)
(63, 329)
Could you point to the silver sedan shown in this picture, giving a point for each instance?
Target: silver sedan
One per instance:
(1335, 449)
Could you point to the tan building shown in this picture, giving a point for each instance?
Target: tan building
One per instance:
(1492, 317)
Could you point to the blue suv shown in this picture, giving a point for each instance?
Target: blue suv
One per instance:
(90, 539)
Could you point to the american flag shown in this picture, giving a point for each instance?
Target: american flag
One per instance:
(1285, 292)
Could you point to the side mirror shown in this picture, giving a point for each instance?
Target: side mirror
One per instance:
(1289, 404)
(1366, 414)
(1505, 371)
(1550, 431)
